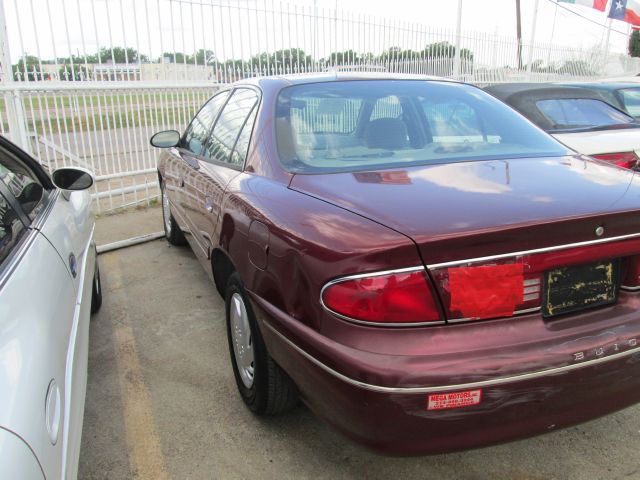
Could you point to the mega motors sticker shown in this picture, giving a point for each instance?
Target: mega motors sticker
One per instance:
(441, 401)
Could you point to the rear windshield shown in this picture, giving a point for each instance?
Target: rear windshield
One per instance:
(360, 125)
(631, 100)
(581, 114)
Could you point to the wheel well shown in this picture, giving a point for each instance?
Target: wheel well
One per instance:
(222, 269)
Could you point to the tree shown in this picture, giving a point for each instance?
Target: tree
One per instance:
(204, 57)
(634, 44)
(28, 68)
(120, 55)
(286, 60)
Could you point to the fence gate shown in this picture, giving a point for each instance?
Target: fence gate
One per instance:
(86, 82)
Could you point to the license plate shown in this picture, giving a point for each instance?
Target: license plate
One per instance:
(575, 288)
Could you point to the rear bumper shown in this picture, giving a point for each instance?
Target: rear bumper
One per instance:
(391, 415)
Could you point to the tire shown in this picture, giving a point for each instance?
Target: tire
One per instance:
(96, 292)
(264, 387)
(171, 228)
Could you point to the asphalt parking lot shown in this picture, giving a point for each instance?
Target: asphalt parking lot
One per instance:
(162, 402)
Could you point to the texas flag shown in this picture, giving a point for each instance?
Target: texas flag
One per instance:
(597, 4)
(626, 10)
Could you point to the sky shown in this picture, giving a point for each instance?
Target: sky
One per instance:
(153, 26)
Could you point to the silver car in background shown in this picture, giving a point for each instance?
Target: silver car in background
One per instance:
(49, 285)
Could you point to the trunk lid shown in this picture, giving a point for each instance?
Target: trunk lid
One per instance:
(602, 141)
(474, 209)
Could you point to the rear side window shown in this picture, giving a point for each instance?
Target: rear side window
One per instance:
(11, 228)
(196, 134)
(227, 129)
(242, 145)
(23, 185)
(631, 100)
(581, 113)
(359, 125)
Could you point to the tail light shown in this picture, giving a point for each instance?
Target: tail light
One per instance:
(402, 297)
(488, 291)
(631, 280)
(622, 159)
(514, 285)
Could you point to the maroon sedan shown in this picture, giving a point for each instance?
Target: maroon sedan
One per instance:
(417, 262)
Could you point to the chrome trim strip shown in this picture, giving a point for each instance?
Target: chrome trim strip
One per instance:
(630, 289)
(460, 386)
(375, 274)
(38, 222)
(531, 252)
(516, 313)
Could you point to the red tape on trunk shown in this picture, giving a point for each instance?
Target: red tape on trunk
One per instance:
(486, 291)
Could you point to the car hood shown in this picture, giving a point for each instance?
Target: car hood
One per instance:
(488, 207)
(602, 141)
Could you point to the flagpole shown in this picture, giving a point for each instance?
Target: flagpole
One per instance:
(606, 45)
(533, 38)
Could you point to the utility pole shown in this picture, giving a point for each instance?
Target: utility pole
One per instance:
(533, 40)
(519, 33)
(457, 61)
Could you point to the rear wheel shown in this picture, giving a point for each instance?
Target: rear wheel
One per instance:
(96, 293)
(171, 229)
(265, 388)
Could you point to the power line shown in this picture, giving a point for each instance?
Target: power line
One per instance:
(585, 18)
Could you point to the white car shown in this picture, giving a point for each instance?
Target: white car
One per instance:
(579, 117)
(49, 285)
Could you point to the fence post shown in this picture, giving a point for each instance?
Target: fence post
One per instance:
(456, 64)
(12, 100)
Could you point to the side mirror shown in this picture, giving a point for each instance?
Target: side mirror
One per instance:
(72, 178)
(165, 139)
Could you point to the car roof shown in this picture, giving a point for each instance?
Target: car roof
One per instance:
(513, 92)
(335, 76)
(608, 86)
(524, 97)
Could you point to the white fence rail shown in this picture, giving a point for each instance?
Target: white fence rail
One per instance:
(86, 82)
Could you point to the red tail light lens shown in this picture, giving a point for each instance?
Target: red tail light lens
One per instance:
(622, 159)
(488, 291)
(632, 277)
(395, 298)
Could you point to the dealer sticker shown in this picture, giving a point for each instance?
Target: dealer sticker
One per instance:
(441, 401)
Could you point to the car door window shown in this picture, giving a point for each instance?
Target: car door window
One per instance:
(239, 154)
(227, 128)
(11, 228)
(23, 184)
(198, 130)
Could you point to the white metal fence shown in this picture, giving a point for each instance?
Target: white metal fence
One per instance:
(86, 82)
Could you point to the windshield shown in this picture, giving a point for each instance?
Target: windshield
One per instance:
(631, 100)
(360, 125)
(581, 114)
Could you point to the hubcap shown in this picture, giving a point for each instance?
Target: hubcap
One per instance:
(241, 339)
(166, 212)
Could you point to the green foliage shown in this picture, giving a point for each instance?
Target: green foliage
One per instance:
(29, 66)
(634, 44)
(120, 55)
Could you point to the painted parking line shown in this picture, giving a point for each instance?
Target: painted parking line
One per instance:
(143, 443)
